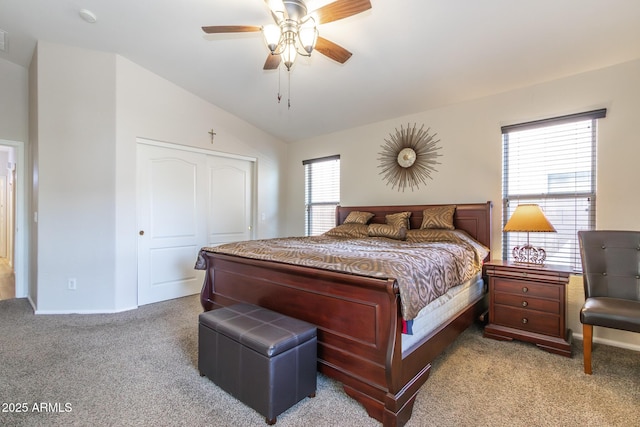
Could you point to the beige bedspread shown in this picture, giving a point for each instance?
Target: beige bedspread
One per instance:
(425, 267)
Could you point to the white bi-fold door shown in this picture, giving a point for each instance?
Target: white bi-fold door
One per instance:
(186, 200)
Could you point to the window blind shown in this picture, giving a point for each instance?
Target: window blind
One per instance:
(552, 163)
(322, 193)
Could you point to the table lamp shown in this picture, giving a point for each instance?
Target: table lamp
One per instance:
(529, 218)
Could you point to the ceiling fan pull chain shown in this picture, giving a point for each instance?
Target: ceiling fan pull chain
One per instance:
(279, 94)
(289, 90)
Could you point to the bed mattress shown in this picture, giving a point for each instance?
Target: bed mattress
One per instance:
(442, 309)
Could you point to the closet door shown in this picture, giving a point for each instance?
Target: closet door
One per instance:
(230, 184)
(172, 190)
(186, 200)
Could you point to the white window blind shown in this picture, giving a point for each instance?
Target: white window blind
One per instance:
(552, 163)
(322, 193)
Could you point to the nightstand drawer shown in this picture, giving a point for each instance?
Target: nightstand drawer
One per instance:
(528, 302)
(519, 274)
(542, 323)
(526, 288)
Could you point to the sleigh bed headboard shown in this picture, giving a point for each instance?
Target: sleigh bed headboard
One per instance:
(473, 218)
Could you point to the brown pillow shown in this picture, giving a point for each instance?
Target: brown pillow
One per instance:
(400, 219)
(353, 231)
(440, 217)
(431, 235)
(356, 217)
(389, 231)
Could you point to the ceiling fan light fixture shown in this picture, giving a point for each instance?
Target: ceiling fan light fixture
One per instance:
(308, 35)
(289, 55)
(272, 36)
(295, 33)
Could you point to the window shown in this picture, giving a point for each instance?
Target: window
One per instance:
(552, 163)
(322, 193)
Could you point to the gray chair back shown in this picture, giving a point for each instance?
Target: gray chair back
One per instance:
(610, 263)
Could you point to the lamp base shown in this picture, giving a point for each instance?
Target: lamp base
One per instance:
(527, 254)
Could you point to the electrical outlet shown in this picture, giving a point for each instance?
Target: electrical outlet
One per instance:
(72, 284)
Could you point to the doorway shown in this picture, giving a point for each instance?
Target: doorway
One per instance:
(8, 184)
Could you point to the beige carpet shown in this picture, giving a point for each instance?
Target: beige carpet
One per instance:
(139, 368)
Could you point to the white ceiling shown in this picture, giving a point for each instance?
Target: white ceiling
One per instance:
(408, 55)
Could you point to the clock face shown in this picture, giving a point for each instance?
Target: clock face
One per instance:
(406, 157)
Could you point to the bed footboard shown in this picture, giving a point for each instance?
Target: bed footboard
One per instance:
(358, 320)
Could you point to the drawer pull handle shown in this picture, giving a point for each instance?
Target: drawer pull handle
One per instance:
(525, 320)
(524, 303)
(525, 289)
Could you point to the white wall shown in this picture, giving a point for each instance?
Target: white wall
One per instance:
(91, 106)
(14, 111)
(152, 108)
(76, 195)
(471, 162)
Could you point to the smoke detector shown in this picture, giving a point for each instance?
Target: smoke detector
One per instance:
(88, 16)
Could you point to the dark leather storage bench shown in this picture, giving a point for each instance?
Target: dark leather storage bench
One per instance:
(263, 358)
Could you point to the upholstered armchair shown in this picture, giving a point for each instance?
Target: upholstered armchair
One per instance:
(611, 274)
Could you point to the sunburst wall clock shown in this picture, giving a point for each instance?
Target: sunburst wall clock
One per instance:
(408, 157)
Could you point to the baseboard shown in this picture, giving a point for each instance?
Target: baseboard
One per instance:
(612, 343)
(83, 311)
(33, 306)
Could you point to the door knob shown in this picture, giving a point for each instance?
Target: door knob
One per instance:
(141, 232)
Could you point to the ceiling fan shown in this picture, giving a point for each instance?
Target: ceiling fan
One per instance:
(295, 30)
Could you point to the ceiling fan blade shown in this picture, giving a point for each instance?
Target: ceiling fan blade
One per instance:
(272, 62)
(340, 9)
(332, 50)
(215, 29)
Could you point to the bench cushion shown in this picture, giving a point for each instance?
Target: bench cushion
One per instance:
(265, 331)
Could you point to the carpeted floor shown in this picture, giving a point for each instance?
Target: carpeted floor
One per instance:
(139, 368)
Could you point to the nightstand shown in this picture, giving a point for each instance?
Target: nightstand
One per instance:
(529, 303)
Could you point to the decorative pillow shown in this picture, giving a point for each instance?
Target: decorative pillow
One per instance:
(400, 219)
(356, 217)
(389, 231)
(431, 235)
(352, 230)
(440, 217)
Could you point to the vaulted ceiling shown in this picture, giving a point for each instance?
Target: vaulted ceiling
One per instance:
(408, 55)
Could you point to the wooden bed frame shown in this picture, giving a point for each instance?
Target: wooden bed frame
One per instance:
(358, 318)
